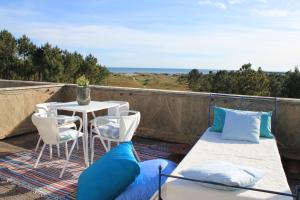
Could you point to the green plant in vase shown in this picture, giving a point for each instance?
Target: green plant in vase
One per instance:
(83, 92)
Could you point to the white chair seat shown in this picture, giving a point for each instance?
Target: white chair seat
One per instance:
(66, 134)
(122, 131)
(111, 130)
(65, 119)
(110, 118)
(114, 111)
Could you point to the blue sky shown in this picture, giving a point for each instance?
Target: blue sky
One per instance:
(221, 34)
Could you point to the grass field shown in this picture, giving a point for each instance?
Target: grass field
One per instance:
(154, 81)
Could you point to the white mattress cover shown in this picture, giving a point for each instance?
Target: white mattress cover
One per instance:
(264, 156)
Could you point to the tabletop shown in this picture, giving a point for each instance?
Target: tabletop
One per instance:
(91, 107)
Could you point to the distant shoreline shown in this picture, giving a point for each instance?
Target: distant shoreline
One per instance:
(166, 71)
(171, 71)
(146, 74)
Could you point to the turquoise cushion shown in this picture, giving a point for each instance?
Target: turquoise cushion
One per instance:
(110, 175)
(265, 125)
(219, 120)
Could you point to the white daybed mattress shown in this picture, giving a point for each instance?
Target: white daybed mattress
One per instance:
(210, 146)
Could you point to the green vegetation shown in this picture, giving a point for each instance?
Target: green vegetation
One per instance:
(155, 81)
(82, 81)
(21, 59)
(246, 81)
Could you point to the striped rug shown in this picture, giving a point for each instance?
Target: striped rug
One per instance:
(18, 169)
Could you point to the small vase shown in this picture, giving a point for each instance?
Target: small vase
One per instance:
(83, 95)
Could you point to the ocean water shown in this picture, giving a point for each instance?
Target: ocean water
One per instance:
(132, 70)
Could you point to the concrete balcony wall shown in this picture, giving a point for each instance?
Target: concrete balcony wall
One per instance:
(288, 127)
(183, 116)
(166, 115)
(18, 103)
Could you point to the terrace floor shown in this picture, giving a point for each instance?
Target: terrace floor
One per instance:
(9, 191)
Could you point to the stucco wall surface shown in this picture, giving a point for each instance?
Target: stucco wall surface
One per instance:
(183, 116)
(165, 115)
(176, 116)
(17, 105)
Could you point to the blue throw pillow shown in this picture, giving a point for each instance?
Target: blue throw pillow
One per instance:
(219, 120)
(146, 184)
(110, 175)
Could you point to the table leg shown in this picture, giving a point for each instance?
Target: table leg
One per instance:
(85, 138)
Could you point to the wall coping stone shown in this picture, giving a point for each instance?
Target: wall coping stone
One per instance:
(29, 87)
(137, 90)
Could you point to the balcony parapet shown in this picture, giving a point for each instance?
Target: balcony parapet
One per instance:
(177, 116)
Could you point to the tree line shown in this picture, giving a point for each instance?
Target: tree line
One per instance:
(21, 59)
(246, 81)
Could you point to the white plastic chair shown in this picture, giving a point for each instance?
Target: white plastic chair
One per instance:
(112, 113)
(115, 111)
(52, 134)
(122, 130)
(63, 120)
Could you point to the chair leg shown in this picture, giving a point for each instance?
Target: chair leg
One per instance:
(91, 134)
(136, 154)
(83, 142)
(68, 158)
(92, 149)
(108, 145)
(38, 144)
(58, 152)
(103, 143)
(66, 149)
(50, 149)
(40, 155)
(94, 115)
(77, 145)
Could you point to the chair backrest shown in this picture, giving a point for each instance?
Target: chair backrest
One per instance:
(128, 125)
(115, 111)
(46, 107)
(47, 127)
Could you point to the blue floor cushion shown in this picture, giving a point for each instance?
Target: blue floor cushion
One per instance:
(109, 176)
(146, 184)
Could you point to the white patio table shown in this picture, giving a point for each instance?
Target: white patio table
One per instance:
(92, 107)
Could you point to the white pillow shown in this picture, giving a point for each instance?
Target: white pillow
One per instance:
(242, 125)
(224, 173)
